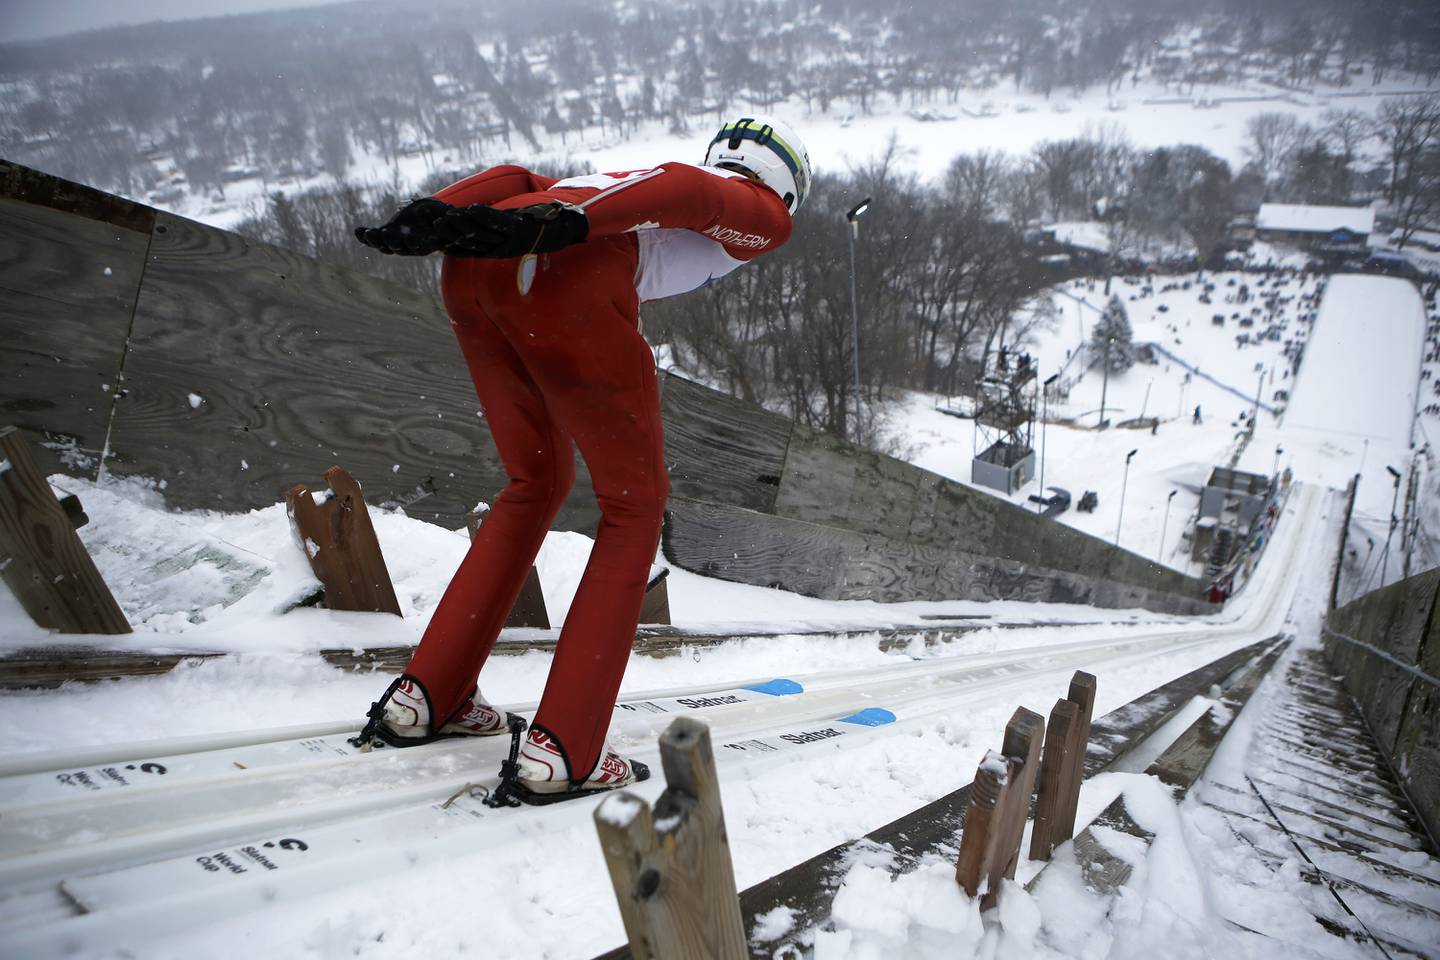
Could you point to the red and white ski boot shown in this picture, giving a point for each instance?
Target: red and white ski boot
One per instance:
(542, 775)
(404, 720)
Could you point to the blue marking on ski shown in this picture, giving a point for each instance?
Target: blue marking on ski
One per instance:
(778, 688)
(869, 717)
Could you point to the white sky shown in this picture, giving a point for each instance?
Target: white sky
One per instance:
(35, 19)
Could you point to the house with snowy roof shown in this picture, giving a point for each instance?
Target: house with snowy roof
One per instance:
(1304, 225)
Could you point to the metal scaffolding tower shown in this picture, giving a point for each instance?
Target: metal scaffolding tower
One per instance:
(1004, 456)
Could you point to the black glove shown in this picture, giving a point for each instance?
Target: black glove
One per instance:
(411, 232)
(481, 231)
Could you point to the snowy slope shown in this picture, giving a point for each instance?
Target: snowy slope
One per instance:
(1361, 370)
(539, 889)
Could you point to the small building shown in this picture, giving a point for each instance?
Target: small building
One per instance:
(1003, 466)
(1309, 227)
(1230, 504)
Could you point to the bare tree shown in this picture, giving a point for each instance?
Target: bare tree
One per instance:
(1408, 126)
(1270, 139)
(1418, 195)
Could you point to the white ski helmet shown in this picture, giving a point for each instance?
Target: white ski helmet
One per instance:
(768, 149)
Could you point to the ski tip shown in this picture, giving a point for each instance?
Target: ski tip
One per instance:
(870, 717)
(778, 687)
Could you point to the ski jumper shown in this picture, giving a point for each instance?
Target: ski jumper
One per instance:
(553, 345)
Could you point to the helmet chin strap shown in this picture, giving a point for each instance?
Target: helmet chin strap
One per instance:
(736, 168)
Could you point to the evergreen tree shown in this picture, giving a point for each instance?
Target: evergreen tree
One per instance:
(1112, 334)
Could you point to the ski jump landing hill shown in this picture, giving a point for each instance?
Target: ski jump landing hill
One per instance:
(225, 370)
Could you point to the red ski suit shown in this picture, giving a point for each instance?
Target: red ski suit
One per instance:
(553, 345)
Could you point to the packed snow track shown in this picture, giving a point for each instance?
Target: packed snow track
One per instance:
(104, 849)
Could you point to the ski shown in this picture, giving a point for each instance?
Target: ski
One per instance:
(51, 838)
(165, 763)
(210, 883)
(44, 842)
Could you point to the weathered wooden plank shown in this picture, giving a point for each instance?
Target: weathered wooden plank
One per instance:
(946, 514)
(829, 481)
(745, 546)
(1082, 694)
(721, 449)
(19, 182)
(1185, 759)
(991, 795)
(67, 291)
(334, 532)
(1402, 619)
(1103, 871)
(1380, 686)
(672, 872)
(41, 557)
(295, 364)
(1417, 744)
(1113, 733)
(49, 667)
(1023, 738)
(627, 831)
(951, 515)
(1055, 765)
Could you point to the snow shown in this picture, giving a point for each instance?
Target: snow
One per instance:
(1086, 233)
(619, 809)
(1303, 217)
(773, 924)
(1373, 326)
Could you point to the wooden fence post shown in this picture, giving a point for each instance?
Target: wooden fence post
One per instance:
(529, 609)
(42, 558)
(1082, 694)
(999, 805)
(671, 870)
(1063, 767)
(1054, 766)
(334, 530)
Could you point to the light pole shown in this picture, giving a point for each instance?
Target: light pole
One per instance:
(1394, 502)
(1105, 382)
(1145, 404)
(1159, 557)
(853, 218)
(1255, 417)
(1044, 419)
(1278, 450)
(1125, 481)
